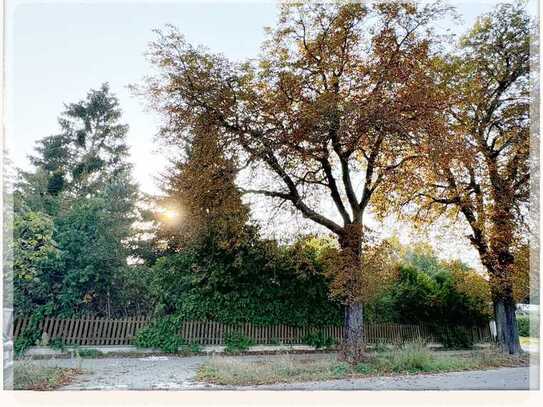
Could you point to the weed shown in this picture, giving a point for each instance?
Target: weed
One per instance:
(237, 342)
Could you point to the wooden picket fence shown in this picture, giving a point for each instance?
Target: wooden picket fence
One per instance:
(92, 330)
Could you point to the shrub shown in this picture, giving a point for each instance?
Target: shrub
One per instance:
(364, 368)
(194, 347)
(454, 338)
(28, 338)
(56, 343)
(319, 340)
(525, 328)
(340, 369)
(162, 334)
(523, 323)
(237, 342)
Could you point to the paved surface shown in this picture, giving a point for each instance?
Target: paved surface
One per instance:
(178, 373)
(498, 379)
(146, 373)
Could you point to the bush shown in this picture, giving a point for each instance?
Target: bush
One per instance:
(454, 338)
(237, 342)
(523, 323)
(162, 334)
(525, 328)
(428, 289)
(319, 340)
(258, 282)
(28, 338)
(364, 368)
(56, 344)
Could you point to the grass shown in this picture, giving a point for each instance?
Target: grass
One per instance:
(408, 359)
(271, 369)
(89, 353)
(28, 376)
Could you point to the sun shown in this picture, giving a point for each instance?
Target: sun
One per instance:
(170, 215)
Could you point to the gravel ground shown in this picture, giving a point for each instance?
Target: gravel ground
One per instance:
(177, 373)
(146, 373)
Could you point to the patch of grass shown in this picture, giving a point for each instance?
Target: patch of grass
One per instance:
(89, 353)
(272, 369)
(406, 359)
(28, 376)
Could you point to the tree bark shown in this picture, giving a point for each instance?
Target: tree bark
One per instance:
(506, 326)
(353, 341)
(353, 347)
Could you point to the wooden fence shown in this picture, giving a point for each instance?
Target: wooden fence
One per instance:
(103, 331)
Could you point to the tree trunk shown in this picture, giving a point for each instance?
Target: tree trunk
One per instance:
(506, 326)
(353, 341)
(353, 347)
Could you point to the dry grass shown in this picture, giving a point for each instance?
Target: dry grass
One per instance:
(271, 369)
(408, 359)
(29, 376)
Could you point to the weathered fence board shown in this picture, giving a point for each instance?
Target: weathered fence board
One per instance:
(90, 330)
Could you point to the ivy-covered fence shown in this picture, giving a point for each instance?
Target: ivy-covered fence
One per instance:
(122, 331)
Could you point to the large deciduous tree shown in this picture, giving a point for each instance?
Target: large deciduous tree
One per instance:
(330, 110)
(479, 167)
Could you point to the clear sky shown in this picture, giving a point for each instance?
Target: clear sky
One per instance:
(57, 50)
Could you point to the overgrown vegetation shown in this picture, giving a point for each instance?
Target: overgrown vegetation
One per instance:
(319, 340)
(29, 376)
(237, 342)
(407, 359)
(163, 334)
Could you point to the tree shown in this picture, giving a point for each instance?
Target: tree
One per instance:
(479, 166)
(82, 184)
(331, 107)
(36, 262)
(431, 291)
(200, 200)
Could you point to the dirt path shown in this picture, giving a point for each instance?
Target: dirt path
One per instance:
(178, 373)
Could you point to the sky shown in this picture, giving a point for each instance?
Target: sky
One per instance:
(57, 50)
